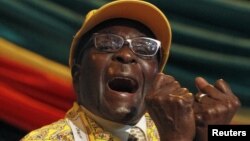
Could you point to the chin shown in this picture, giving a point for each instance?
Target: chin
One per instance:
(128, 116)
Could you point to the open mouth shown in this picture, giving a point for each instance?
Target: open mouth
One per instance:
(122, 84)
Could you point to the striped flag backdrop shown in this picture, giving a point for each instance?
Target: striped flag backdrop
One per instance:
(210, 39)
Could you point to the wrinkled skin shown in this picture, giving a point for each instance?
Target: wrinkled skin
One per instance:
(177, 114)
(92, 80)
(217, 107)
(171, 108)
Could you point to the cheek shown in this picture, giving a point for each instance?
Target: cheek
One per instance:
(92, 67)
(150, 70)
(96, 62)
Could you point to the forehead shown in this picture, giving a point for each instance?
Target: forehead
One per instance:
(125, 26)
(124, 31)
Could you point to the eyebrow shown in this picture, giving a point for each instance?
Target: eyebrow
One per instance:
(107, 32)
(111, 32)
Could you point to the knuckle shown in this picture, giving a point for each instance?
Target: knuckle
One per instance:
(171, 99)
(159, 99)
(180, 102)
(233, 104)
(185, 90)
(237, 104)
(222, 109)
(220, 81)
(230, 105)
(160, 78)
(210, 111)
(170, 77)
(176, 83)
(199, 119)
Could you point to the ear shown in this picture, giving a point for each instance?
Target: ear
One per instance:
(75, 72)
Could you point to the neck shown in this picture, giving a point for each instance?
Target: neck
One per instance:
(106, 124)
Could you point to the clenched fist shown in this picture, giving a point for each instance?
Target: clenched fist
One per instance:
(171, 108)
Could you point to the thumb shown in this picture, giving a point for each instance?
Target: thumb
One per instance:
(161, 80)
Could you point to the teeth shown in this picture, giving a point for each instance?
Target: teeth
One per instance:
(122, 84)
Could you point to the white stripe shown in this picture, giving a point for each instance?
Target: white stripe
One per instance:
(78, 134)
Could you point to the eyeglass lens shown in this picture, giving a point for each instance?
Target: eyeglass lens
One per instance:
(111, 43)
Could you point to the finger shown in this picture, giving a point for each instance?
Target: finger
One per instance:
(183, 94)
(200, 83)
(232, 110)
(206, 88)
(199, 96)
(170, 88)
(181, 91)
(204, 99)
(223, 86)
(213, 92)
(188, 97)
(161, 79)
(169, 79)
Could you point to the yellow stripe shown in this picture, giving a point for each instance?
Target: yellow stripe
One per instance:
(85, 122)
(19, 54)
(242, 116)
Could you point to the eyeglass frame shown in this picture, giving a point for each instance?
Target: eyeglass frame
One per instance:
(129, 41)
(76, 60)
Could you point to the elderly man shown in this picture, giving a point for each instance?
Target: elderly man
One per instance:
(116, 60)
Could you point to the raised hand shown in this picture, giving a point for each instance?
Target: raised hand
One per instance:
(214, 104)
(171, 108)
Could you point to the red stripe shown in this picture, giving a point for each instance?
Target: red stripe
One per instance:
(34, 78)
(31, 98)
(25, 112)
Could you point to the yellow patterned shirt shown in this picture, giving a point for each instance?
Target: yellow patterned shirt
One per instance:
(57, 131)
(76, 125)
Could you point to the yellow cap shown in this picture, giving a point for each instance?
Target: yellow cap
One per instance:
(137, 10)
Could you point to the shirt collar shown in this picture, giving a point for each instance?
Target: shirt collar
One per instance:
(117, 129)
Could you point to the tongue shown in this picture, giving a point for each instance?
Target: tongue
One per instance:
(123, 85)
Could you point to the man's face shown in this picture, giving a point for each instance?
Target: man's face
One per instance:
(113, 85)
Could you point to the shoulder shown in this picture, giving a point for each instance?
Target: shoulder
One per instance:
(59, 130)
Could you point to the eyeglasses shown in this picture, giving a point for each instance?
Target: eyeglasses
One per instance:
(141, 46)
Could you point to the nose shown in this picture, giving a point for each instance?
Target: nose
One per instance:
(124, 55)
